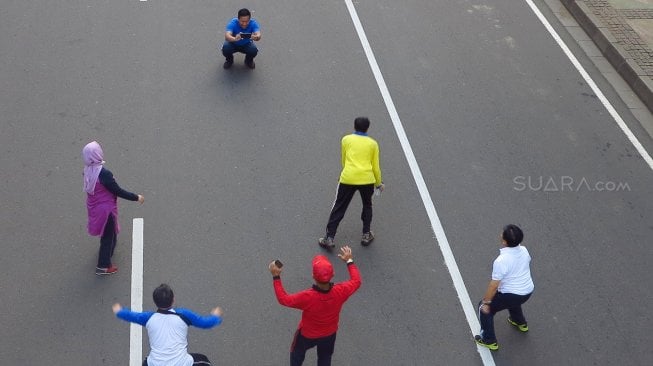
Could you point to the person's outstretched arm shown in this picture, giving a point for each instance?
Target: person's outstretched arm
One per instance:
(355, 281)
(131, 316)
(297, 301)
(201, 321)
(109, 182)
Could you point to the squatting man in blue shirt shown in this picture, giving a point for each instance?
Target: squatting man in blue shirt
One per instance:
(167, 329)
(240, 34)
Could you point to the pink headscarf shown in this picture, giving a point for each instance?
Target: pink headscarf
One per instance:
(93, 160)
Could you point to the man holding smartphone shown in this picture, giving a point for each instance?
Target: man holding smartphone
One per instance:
(240, 34)
(320, 306)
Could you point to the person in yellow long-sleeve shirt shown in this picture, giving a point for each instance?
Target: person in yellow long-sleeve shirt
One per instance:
(361, 172)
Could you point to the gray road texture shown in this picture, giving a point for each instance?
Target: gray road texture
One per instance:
(240, 167)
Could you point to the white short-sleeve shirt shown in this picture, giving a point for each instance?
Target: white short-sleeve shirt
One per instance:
(512, 268)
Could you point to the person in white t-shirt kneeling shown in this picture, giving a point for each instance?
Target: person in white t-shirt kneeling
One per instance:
(167, 329)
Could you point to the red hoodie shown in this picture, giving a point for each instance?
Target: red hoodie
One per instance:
(320, 309)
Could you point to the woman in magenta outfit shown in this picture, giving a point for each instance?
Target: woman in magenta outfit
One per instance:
(102, 205)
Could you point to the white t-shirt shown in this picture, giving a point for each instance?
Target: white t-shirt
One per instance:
(512, 268)
(168, 341)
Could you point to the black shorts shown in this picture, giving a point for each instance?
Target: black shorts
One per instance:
(198, 359)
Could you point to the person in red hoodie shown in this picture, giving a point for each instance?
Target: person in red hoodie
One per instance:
(320, 307)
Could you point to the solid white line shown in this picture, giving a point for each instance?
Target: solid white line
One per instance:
(135, 330)
(450, 261)
(606, 103)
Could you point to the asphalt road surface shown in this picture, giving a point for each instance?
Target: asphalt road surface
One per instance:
(239, 167)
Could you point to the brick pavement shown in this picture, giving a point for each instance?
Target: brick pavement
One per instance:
(623, 31)
(617, 22)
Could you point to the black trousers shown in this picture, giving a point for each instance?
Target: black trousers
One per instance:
(343, 198)
(300, 344)
(107, 243)
(502, 301)
(198, 359)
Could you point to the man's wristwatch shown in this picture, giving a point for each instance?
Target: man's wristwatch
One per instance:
(350, 260)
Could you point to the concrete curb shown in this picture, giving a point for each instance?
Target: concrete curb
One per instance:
(613, 52)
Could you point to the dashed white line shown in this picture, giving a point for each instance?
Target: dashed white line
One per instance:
(135, 330)
(450, 261)
(606, 103)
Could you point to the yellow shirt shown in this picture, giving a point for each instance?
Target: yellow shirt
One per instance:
(360, 160)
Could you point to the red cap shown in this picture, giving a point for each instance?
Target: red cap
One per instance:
(322, 269)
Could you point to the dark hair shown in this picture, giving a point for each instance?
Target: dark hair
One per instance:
(361, 124)
(163, 296)
(512, 234)
(244, 12)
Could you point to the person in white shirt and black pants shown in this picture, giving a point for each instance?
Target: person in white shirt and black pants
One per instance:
(510, 287)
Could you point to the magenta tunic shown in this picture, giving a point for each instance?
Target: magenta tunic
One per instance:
(100, 205)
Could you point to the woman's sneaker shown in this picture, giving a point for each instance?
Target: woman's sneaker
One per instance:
(106, 271)
(367, 238)
(521, 327)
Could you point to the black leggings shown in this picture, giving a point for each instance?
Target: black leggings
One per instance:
(107, 243)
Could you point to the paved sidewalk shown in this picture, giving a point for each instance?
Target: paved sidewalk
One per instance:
(623, 31)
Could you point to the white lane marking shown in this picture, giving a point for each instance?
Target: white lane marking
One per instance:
(135, 330)
(606, 103)
(450, 261)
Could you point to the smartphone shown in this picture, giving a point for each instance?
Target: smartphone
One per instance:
(246, 35)
(278, 263)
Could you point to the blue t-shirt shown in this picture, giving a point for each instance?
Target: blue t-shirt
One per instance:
(234, 27)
